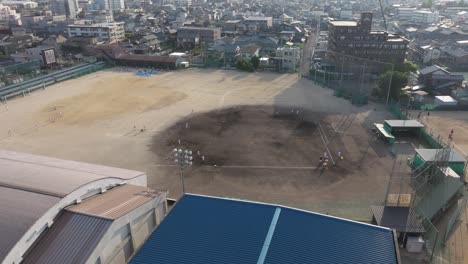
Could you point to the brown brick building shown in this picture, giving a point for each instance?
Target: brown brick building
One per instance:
(356, 38)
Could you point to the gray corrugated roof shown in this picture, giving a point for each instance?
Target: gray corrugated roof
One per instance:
(53, 176)
(71, 239)
(430, 155)
(19, 210)
(402, 219)
(404, 123)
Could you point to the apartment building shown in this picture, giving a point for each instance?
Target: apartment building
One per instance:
(7, 14)
(355, 38)
(109, 32)
(417, 16)
(190, 37)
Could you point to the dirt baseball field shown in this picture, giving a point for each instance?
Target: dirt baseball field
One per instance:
(261, 135)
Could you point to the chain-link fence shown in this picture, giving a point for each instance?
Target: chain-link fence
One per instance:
(19, 72)
(350, 77)
(433, 192)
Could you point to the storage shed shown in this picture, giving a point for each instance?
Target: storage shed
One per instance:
(454, 160)
(395, 126)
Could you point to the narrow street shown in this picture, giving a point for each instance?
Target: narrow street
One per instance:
(307, 53)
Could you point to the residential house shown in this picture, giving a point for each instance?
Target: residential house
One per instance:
(54, 40)
(424, 53)
(249, 51)
(46, 55)
(258, 24)
(440, 80)
(189, 37)
(147, 44)
(454, 56)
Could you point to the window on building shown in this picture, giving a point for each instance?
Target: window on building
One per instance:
(342, 38)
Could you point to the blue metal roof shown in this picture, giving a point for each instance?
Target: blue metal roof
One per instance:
(204, 230)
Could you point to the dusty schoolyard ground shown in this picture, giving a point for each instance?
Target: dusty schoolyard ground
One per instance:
(264, 132)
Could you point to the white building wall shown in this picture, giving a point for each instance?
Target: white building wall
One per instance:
(127, 234)
(4, 13)
(109, 32)
(405, 13)
(425, 17)
(418, 16)
(290, 58)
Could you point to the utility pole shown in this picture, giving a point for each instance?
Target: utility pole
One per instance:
(390, 85)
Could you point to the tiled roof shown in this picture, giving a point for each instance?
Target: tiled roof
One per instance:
(205, 230)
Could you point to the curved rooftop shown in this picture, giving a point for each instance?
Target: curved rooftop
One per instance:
(33, 190)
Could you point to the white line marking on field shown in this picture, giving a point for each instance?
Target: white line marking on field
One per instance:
(325, 141)
(248, 167)
(223, 98)
(336, 126)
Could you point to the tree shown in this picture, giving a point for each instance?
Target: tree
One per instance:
(427, 4)
(244, 65)
(398, 81)
(255, 62)
(406, 67)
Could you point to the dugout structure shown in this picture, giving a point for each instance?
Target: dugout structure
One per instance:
(425, 157)
(403, 127)
(392, 128)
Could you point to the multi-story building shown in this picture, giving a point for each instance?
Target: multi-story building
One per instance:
(355, 38)
(117, 5)
(405, 13)
(417, 16)
(288, 58)
(191, 36)
(9, 15)
(109, 32)
(261, 23)
(64, 7)
(425, 17)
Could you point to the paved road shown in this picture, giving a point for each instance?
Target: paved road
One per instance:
(307, 53)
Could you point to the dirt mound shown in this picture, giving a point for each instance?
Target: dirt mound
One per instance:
(243, 136)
